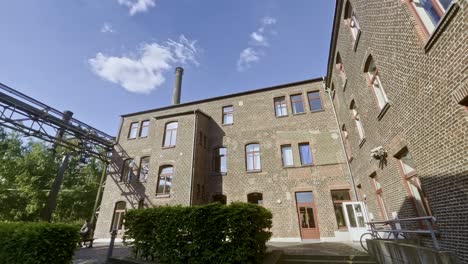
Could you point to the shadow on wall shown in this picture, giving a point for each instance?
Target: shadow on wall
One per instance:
(447, 196)
(214, 179)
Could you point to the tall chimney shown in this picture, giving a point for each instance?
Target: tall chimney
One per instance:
(179, 71)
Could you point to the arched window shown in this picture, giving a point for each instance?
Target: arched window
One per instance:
(165, 180)
(340, 67)
(352, 21)
(170, 135)
(144, 168)
(357, 120)
(255, 198)
(220, 160)
(220, 198)
(373, 79)
(118, 217)
(252, 157)
(127, 170)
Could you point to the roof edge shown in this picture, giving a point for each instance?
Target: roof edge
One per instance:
(318, 79)
(334, 36)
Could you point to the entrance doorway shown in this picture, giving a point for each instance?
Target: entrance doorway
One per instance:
(307, 215)
(356, 216)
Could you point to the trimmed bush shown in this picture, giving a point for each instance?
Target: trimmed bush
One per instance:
(212, 233)
(37, 243)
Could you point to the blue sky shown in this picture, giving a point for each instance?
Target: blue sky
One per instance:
(101, 59)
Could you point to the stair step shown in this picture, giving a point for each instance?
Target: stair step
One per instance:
(305, 261)
(328, 257)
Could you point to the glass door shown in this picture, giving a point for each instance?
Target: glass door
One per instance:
(356, 218)
(307, 215)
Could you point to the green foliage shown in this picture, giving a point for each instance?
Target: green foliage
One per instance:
(27, 170)
(212, 233)
(37, 243)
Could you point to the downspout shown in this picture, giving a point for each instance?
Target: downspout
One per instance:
(342, 141)
(195, 124)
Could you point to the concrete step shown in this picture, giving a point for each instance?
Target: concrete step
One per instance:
(360, 259)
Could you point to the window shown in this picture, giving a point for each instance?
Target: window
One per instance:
(357, 120)
(141, 203)
(374, 82)
(132, 133)
(165, 180)
(297, 104)
(315, 103)
(127, 171)
(144, 169)
(228, 115)
(253, 157)
(413, 184)
(304, 152)
(340, 67)
(220, 198)
(338, 197)
(379, 195)
(118, 217)
(345, 136)
(429, 12)
(255, 198)
(352, 21)
(280, 106)
(220, 160)
(144, 128)
(287, 155)
(170, 136)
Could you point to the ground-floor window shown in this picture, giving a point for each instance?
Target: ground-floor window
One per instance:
(220, 198)
(119, 214)
(338, 197)
(255, 198)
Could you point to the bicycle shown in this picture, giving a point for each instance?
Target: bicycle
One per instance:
(374, 234)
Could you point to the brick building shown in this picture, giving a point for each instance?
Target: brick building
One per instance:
(390, 130)
(276, 146)
(399, 75)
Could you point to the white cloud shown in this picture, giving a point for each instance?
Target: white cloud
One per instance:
(258, 41)
(268, 21)
(107, 28)
(246, 58)
(136, 6)
(145, 72)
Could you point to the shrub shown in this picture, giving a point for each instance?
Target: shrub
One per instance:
(212, 233)
(37, 243)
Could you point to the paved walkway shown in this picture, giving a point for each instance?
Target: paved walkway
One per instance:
(97, 254)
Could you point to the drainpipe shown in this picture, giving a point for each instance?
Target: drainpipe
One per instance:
(342, 141)
(195, 124)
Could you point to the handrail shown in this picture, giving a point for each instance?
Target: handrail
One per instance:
(429, 221)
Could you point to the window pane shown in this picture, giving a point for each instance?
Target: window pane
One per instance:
(255, 198)
(340, 220)
(172, 125)
(359, 215)
(417, 196)
(127, 172)
(250, 162)
(314, 101)
(297, 105)
(351, 216)
(144, 169)
(257, 161)
(407, 163)
(223, 164)
(170, 134)
(304, 152)
(445, 3)
(379, 92)
(304, 197)
(286, 152)
(340, 195)
(310, 215)
(280, 106)
(133, 130)
(228, 117)
(228, 109)
(427, 13)
(303, 217)
(144, 128)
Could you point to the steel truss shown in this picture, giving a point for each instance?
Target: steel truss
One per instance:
(32, 118)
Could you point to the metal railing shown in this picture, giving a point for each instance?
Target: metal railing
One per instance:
(429, 222)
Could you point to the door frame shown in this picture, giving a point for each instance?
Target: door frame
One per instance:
(312, 204)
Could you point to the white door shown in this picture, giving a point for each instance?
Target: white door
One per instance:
(356, 218)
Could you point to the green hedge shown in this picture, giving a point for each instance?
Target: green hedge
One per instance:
(212, 233)
(37, 243)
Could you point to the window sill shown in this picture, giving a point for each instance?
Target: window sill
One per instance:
(254, 171)
(289, 167)
(317, 111)
(168, 147)
(383, 111)
(283, 116)
(362, 142)
(355, 43)
(142, 137)
(307, 165)
(230, 124)
(161, 196)
(302, 113)
(219, 174)
(443, 23)
(132, 138)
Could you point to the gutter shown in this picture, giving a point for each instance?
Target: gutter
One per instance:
(342, 141)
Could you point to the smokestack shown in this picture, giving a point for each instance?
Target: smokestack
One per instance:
(179, 71)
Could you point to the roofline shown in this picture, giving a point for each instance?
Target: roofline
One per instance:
(226, 96)
(182, 113)
(334, 36)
